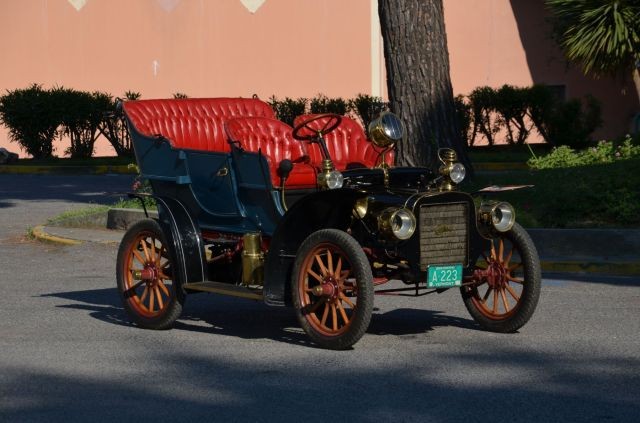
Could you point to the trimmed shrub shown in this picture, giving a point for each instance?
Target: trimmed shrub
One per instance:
(604, 152)
(323, 104)
(288, 109)
(367, 108)
(33, 117)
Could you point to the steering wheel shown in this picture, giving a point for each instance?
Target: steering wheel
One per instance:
(332, 123)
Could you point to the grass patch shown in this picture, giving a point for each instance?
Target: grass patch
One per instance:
(596, 196)
(80, 217)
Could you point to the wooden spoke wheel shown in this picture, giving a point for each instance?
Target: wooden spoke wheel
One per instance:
(503, 291)
(146, 282)
(332, 289)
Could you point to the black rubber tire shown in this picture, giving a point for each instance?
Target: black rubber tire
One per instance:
(532, 277)
(361, 270)
(165, 318)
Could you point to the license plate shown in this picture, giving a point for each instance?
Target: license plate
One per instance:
(444, 276)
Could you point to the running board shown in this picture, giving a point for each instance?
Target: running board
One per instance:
(225, 289)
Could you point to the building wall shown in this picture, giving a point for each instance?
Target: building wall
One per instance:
(295, 48)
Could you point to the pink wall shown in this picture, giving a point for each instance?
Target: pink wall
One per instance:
(295, 48)
(496, 42)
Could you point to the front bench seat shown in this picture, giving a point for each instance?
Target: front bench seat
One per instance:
(347, 145)
(272, 138)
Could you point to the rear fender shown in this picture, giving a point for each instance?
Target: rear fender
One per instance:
(184, 238)
(325, 209)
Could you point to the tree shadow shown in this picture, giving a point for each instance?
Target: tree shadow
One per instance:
(500, 383)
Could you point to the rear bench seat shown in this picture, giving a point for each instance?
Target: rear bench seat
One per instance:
(192, 123)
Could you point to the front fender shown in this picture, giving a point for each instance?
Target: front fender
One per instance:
(325, 209)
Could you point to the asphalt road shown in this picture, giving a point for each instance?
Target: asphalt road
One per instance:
(68, 353)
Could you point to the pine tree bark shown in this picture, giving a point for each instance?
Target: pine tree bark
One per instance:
(418, 79)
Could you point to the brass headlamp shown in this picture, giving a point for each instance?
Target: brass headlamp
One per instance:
(452, 172)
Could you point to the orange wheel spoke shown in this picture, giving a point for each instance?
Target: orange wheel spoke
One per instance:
(495, 301)
(493, 251)
(344, 274)
(136, 286)
(339, 267)
(153, 250)
(323, 322)
(347, 300)
(508, 259)
(513, 293)
(323, 269)
(486, 295)
(144, 294)
(143, 242)
(311, 308)
(334, 316)
(504, 300)
(516, 280)
(164, 289)
(138, 256)
(164, 276)
(315, 275)
(329, 262)
(152, 299)
(501, 250)
(343, 313)
(159, 297)
(514, 267)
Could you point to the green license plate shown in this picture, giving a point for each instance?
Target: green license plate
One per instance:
(444, 276)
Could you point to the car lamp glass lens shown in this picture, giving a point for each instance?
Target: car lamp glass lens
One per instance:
(458, 172)
(503, 217)
(334, 179)
(403, 224)
(392, 126)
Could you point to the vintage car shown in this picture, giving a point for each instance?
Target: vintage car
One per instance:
(314, 217)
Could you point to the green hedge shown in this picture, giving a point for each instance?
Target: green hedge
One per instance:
(517, 111)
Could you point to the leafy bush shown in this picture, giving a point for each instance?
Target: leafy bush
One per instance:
(180, 95)
(485, 120)
(288, 109)
(604, 152)
(322, 104)
(512, 104)
(517, 110)
(32, 117)
(367, 108)
(81, 115)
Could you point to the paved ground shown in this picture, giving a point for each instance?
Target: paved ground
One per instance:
(67, 352)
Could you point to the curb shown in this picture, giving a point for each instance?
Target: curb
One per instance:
(609, 268)
(573, 267)
(40, 234)
(62, 170)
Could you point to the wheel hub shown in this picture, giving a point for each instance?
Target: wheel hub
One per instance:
(149, 274)
(328, 288)
(496, 275)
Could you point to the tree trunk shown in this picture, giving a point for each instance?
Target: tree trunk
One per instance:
(418, 80)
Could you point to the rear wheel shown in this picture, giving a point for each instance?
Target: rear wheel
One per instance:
(503, 291)
(332, 289)
(145, 274)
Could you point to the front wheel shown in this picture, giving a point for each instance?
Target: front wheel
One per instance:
(332, 289)
(503, 291)
(150, 293)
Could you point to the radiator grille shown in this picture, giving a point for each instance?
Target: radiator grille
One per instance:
(443, 234)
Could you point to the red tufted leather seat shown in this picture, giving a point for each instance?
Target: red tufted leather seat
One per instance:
(347, 144)
(192, 123)
(274, 140)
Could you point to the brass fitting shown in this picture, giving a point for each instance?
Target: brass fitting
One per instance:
(252, 259)
(448, 157)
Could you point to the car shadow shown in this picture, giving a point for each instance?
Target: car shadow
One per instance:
(220, 315)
